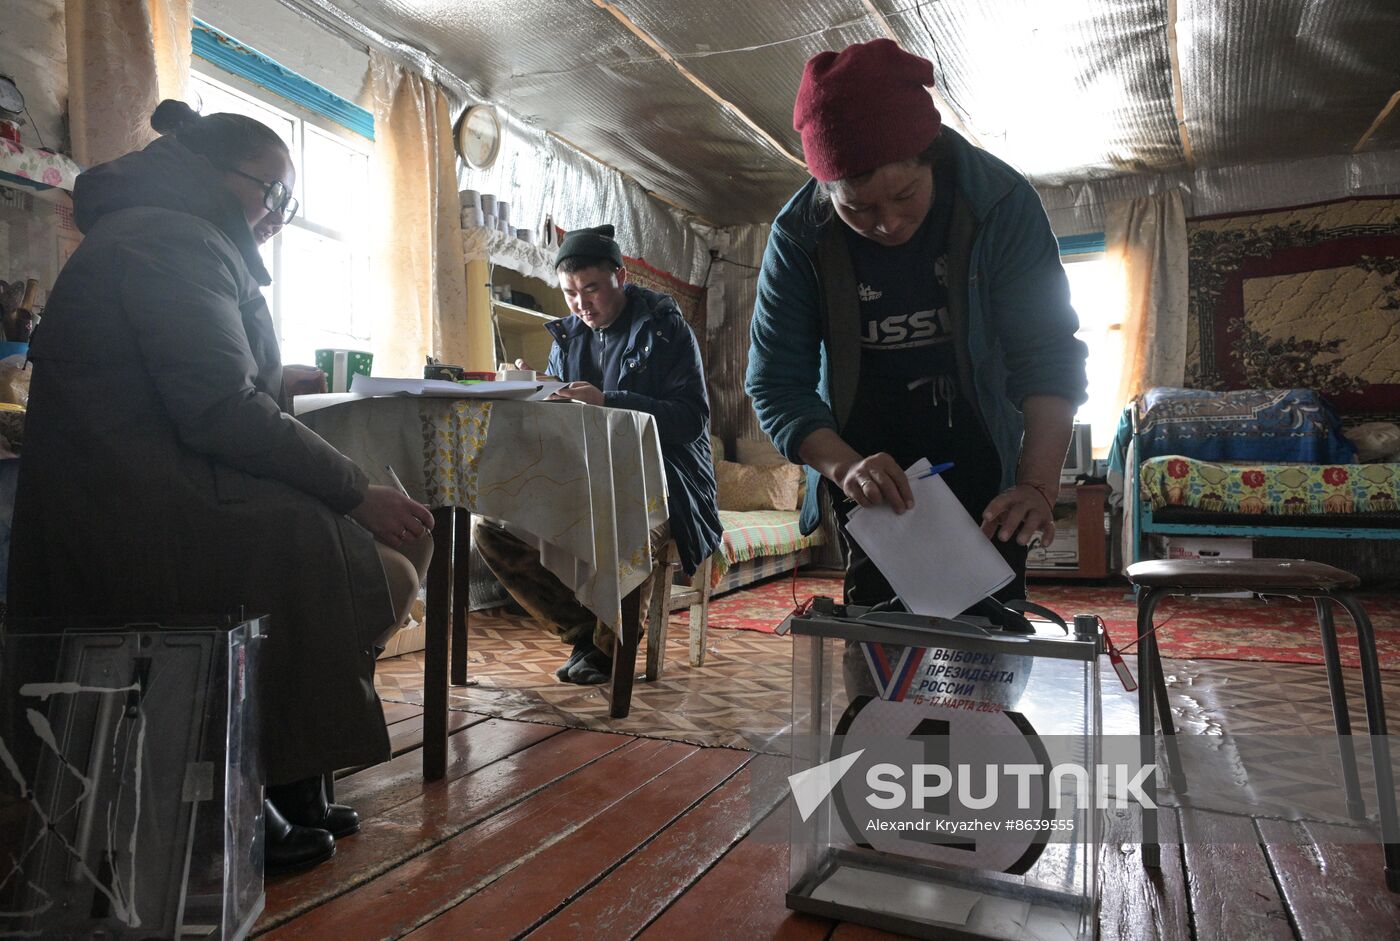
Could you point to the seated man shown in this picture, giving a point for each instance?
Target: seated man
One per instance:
(623, 347)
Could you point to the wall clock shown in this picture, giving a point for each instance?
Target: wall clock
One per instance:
(10, 98)
(479, 136)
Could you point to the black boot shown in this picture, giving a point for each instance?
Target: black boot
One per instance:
(288, 847)
(582, 649)
(304, 803)
(593, 668)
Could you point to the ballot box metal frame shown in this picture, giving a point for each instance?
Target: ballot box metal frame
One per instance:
(821, 847)
(132, 783)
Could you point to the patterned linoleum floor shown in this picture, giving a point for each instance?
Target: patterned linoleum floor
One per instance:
(740, 698)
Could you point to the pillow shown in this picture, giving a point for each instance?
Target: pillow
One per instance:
(757, 451)
(1268, 425)
(745, 487)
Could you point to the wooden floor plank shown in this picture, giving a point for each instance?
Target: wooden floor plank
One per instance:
(1137, 903)
(1334, 889)
(407, 735)
(527, 894)
(1233, 894)
(399, 711)
(374, 790)
(396, 902)
(444, 809)
(743, 896)
(638, 891)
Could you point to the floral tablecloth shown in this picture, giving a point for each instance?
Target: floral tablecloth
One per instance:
(587, 484)
(1275, 489)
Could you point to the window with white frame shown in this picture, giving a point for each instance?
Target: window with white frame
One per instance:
(320, 262)
(1096, 291)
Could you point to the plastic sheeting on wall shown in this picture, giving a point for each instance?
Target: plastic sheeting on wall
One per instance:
(1079, 207)
(544, 179)
(694, 102)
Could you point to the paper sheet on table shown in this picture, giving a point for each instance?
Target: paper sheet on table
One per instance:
(374, 385)
(535, 391)
(935, 555)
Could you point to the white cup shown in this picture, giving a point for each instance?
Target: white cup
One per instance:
(488, 204)
(471, 217)
(525, 235)
(502, 210)
(470, 199)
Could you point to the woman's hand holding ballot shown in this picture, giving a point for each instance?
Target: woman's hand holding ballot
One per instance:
(870, 481)
(393, 517)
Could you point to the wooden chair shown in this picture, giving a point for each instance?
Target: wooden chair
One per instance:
(1327, 586)
(665, 599)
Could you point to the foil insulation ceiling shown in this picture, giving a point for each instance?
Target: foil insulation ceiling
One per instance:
(694, 101)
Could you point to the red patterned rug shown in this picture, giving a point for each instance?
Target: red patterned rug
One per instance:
(1282, 631)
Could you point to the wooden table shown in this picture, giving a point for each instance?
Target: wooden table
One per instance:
(587, 482)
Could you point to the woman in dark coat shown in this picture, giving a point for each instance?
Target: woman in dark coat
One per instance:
(162, 473)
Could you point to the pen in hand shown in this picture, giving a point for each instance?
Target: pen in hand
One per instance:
(397, 483)
(936, 469)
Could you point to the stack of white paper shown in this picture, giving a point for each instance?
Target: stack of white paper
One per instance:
(367, 387)
(934, 556)
(374, 385)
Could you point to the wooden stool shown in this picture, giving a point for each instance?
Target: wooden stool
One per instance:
(1294, 577)
(665, 599)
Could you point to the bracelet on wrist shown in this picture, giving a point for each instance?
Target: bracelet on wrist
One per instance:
(1049, 502)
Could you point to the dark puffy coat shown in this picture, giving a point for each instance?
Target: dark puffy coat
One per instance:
(160, 474)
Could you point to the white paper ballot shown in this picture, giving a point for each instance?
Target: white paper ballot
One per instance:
(374, 385)
(935, 555)
(432, 388)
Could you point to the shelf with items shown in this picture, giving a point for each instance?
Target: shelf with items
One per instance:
(35, 168)
(506, 251)
(514, 313)
(1080, 549)
(518, 329)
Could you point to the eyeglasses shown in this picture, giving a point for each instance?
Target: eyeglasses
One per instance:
(276, 197)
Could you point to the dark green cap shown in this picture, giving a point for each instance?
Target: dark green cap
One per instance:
(595, 244)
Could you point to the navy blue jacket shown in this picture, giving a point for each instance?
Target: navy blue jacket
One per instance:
(661, 374)
(1007, 297)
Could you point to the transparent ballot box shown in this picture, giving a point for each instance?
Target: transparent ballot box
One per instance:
(945, 775)
(130, 790)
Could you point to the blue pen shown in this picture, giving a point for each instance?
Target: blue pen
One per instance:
(936, 469)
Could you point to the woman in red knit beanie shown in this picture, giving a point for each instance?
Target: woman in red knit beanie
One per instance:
(912, 305)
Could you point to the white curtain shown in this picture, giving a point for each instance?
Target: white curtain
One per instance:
(124, 56)
(421, 307)
(1147, 238)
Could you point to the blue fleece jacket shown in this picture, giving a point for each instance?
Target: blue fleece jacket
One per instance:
(1008, 302)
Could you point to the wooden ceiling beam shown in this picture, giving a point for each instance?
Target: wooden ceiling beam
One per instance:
(1376, 124)
(1178, 100)
(945, 108)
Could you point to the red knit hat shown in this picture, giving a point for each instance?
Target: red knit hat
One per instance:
(864, 107)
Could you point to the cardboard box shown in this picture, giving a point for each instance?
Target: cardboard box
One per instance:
(1210, 547)
(1207, 547)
